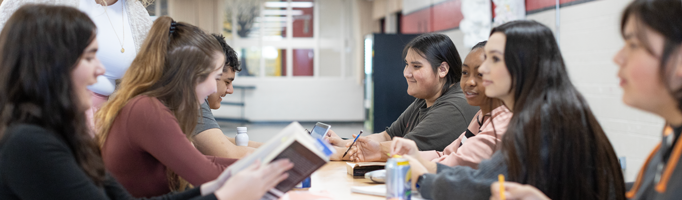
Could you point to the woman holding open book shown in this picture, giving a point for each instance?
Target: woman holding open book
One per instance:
(47, 60)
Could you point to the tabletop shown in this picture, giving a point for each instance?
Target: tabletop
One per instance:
(333, 180)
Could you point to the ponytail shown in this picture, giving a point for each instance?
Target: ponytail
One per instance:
(173, 59)
(144, 71)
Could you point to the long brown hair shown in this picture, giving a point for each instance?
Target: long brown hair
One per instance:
(168, 67)
(40, 46)
(553, 141)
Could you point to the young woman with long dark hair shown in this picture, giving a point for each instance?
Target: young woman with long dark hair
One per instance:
(47, 60)
(651, 77)
(553, 140)
(484, 134)
(439, 113)
(122, 27)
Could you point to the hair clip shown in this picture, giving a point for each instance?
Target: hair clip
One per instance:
(173, 27)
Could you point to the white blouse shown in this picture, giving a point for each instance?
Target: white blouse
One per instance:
(111, 31)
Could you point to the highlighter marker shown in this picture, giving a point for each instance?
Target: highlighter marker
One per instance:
(501, 180)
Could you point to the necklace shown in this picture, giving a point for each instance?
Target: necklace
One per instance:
(121, 42)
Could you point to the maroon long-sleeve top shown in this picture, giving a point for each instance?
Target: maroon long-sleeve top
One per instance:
(144, 140)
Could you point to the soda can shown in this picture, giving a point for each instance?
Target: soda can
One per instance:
(398, 175)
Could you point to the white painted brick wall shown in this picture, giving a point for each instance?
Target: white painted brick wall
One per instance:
(589, 39)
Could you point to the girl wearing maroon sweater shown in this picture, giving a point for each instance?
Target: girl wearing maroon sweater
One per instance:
(144, 130)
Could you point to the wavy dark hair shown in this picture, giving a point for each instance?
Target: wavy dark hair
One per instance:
(438, 48)
(665, 18)
(553, 141)
(231, 59)
(39, 48)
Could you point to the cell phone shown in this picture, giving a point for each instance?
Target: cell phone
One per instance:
(320, 129)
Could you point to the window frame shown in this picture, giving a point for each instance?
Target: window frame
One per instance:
(289, 43)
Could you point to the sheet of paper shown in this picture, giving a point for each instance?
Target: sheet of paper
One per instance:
(380, 190)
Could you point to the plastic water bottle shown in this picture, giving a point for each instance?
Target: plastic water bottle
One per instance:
(242, 138)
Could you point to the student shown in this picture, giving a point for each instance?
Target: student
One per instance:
(145, 128)
(122, 27)
(47, 60)
(651, 75)
(481, 139)
(207, 136)
(438, 114)
(553, 141)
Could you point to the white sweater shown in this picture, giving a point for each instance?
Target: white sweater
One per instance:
(136, 21)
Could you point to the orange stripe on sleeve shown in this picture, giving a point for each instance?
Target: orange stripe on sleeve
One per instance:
(640, 176)
(670, 167)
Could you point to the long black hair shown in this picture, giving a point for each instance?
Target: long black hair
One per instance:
(665, 18)
(553, 141)
(438, 48)
(39, 48)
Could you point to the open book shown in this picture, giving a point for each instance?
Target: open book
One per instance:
(294, 143)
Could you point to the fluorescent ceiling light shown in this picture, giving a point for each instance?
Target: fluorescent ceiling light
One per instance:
(274, 19)
(282, 12)
(293, 4)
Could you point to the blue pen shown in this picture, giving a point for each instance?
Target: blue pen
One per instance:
(351, 145)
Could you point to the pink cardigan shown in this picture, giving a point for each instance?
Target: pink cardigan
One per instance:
(475, 148)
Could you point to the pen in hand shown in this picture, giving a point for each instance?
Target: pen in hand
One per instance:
(351, 145)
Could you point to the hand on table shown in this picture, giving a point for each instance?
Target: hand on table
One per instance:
(365, 150)
(334, 139)
(516, 191)
(254, 181)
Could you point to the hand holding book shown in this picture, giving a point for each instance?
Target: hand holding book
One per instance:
(293, 143)
(254, 181)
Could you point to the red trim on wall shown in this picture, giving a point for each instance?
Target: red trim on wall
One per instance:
(438, 17)
(492, 6)
(532, 5)
(447, 15)
(417, 22)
